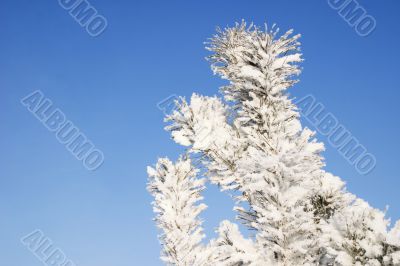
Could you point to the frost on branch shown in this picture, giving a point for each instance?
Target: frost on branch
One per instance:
(176, 192)
(392, 247)
(254, 61)
(200, 123)
(231, 248)
(251, 142)
(203, 125)
(360, 234)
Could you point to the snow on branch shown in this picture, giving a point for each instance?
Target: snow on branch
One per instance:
(177, 191)
(299, 213)
(254, 60)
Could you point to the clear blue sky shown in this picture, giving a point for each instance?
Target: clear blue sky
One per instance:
(109, 87)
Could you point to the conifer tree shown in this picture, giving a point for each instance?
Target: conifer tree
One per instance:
(252, 142)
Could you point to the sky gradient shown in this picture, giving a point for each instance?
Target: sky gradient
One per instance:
(109, 87)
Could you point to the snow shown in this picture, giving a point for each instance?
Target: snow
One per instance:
(252, 142)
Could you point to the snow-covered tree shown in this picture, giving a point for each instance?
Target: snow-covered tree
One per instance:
(253, 143)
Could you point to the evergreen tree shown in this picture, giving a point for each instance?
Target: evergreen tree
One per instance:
(252, 142)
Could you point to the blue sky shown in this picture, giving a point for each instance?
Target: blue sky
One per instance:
(109, 86)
